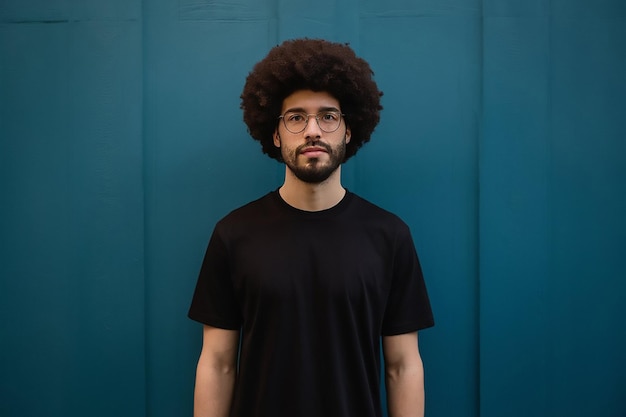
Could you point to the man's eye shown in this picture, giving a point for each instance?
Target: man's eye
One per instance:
(295, 118)
(329, 117)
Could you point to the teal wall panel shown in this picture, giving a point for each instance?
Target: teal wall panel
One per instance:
(501, 144)
(514, 222)
(71, 228)
(588, 212)
(33, 240)
(553, 234)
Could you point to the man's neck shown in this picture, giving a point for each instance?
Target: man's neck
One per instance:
(312, 197)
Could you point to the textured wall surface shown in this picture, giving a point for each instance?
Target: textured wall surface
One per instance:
(502, 145)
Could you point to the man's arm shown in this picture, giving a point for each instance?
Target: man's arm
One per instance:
(404, 376)
(216, 372)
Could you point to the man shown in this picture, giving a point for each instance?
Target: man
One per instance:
(297, 288)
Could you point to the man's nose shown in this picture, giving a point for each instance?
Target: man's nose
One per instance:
(312, 129)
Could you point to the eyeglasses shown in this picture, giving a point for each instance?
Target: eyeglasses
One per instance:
(296, 122)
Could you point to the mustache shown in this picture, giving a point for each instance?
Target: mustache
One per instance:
(317, 144)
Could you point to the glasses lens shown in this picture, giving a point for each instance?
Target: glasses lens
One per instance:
(295, 122)
(328, 121)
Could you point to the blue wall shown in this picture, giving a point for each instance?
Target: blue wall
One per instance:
(502, 144)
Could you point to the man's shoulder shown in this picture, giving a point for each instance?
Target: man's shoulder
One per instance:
(255, 208)
(374, 211)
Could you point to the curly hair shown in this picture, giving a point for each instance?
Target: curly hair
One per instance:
(317, 65)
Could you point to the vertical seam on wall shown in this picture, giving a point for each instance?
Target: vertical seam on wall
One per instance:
(274, 23)
(144, 170)
(479, 146)
(549, 169)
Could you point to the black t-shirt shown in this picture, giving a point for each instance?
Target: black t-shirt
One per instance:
(312, 293)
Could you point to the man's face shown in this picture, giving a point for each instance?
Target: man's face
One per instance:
(313, 154)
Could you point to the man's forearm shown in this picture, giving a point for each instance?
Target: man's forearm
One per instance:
(405, 391)
(214, 390)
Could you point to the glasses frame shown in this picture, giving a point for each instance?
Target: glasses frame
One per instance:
(317, 120)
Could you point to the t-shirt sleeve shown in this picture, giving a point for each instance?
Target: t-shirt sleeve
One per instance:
(408, 307)
(214, 302)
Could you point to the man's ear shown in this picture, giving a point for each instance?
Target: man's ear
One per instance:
(348, 134)
(276, 139)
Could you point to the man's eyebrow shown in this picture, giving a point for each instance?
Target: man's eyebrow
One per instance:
(302, 110)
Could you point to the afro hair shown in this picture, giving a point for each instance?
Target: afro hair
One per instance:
(317, 65)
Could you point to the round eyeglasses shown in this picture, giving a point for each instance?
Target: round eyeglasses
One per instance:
(327, 120)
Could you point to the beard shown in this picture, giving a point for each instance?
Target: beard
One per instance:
(315, 170)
